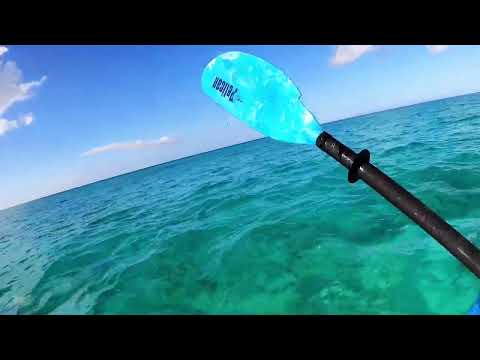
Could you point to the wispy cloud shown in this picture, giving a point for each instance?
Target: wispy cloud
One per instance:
(27, 119)
(437, 49)
(345, 54)
(13, 90)
(9, 125)
(128, 145)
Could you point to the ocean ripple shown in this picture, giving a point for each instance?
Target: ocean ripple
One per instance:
(263, 227)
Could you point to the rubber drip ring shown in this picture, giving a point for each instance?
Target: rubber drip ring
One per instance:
(363, 157)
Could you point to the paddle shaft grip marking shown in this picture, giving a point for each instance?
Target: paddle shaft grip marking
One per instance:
(433, 224)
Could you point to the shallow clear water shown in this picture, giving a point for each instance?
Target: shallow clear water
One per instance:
(259, 228)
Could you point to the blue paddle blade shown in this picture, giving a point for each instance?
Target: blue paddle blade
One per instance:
(260, 95)
(475, 310)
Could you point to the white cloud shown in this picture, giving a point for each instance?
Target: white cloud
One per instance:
(13, 90)
(9, 125)
(27, 119)
(345, 54)
(436, 49)
(129, 145)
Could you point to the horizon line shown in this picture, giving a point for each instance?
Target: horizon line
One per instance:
(131, 172)
(400, 107)
(228, 146)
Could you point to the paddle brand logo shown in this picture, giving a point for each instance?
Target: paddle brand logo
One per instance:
(227, 90)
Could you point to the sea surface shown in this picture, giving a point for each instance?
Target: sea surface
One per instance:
(259, 228)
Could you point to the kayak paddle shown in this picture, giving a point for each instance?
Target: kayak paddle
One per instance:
(262, 96)
(475, 310)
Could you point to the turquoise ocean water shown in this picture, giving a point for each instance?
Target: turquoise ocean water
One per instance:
(258, 228)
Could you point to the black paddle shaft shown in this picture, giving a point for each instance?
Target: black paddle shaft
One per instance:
(360, 168)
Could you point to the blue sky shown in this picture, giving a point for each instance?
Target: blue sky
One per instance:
(71, 115)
